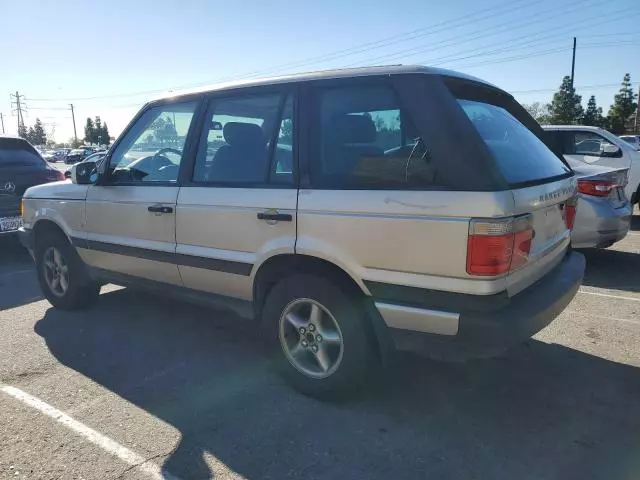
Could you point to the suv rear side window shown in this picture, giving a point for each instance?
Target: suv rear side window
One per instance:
(15, 151)
(366, 141)
(520, 155)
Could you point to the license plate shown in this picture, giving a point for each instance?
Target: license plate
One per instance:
(10, 223)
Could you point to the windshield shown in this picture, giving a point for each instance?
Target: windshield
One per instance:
(18, 152)
(521, 156)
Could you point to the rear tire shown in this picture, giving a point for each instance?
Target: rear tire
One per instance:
(316, 335)
(62, 274)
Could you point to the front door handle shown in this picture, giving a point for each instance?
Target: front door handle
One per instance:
(275, 216)
(160, 209)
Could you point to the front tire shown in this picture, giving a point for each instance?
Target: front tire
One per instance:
(316, 335)
(62, 274)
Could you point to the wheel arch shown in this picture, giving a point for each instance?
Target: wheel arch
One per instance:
(47, 225)
(278, 266)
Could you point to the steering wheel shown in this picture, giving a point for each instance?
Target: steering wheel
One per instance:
(155, 159)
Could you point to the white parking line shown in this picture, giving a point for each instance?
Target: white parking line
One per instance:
(111, 446)
(608, 295)
(615, 319)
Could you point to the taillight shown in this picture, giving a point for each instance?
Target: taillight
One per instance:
(498, 246)
(596, 188)
(569, 212)
(53, 175)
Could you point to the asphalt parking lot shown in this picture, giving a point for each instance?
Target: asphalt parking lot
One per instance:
(144, 387)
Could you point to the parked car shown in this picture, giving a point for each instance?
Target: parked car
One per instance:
(594, 145)
(48, 156)
(61, 154)
(79, 154)
(386, 231)
(21, 167)
(603, 213)
(91, 158)
(633, 140)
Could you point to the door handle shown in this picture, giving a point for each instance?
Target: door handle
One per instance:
(160, 209)
(274, 216)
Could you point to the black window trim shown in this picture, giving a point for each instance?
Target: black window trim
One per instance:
(284, 90)
(187, 152)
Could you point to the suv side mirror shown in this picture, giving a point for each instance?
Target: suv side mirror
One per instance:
(84, 173)
(610, 150)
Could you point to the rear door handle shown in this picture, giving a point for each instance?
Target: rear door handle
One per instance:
(160, 209)
(278, 217)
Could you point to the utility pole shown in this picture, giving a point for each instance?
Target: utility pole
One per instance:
(73, 117)
(573, 61)
(19, 107)
(2, 121)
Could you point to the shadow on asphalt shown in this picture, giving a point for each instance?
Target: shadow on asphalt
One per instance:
(612, 269)
(18, 284)
(12, 253)
(545, 411)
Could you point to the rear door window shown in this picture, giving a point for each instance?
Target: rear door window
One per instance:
(17, 152)
(521, 156)
(367, 141)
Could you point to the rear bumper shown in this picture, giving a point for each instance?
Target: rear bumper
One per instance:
(598, 224)
(488, 322)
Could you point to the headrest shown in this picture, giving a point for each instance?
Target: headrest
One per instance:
(239, 133)
(352, 129)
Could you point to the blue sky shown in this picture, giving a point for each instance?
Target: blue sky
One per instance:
(109, 57)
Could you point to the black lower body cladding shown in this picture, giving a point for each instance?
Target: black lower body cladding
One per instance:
(501, 322)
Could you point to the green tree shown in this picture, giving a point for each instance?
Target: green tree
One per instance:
(158, 126)
(22, 131)
(105, 134)
(97, 131)
(286, 132)
(39, 136)
(623, 106)
(539, 111)
(88, 131)
(593, 114)
(73, 143)
(566, 106)
(379, 123)
(31, 136)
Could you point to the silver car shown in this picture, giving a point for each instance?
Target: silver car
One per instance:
(347, 213)
(604, 213)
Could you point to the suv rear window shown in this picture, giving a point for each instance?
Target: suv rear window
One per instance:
(520, 155)
(15, 151)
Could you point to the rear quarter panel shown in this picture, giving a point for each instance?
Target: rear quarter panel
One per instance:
(412, 238)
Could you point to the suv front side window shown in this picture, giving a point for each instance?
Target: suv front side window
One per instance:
(152, 149)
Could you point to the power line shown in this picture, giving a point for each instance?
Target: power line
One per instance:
(482, 50)
(489, 32)
(410, 35)
(527, 55)
(371, 46)
(582, 87)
